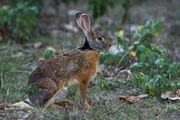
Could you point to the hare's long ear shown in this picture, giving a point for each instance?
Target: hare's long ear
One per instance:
(83, 22)
(86, 23)
(78, 19)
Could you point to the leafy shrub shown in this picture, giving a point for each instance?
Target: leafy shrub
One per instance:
(152, 70)
(150, 67)
(19, 17)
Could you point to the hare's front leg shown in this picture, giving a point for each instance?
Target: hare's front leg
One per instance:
(83, 86)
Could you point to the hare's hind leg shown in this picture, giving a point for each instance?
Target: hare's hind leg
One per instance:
(46, 89)
(59, 96)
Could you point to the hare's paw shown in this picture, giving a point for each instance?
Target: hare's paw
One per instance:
(64, 103)
(87, 106)
(53, 106)
(59, 104)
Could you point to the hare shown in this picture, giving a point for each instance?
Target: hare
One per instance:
(80, 65)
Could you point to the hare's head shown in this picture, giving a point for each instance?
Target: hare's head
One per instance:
(95, 40)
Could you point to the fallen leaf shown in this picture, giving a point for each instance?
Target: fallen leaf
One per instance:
(170, 95)
(133, 99)
(175, 98)
(143, 95)
(130, 99)
(166, 95)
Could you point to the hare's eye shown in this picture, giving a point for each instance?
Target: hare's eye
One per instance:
(99, 38)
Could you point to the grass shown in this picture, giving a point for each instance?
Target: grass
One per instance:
(16, 65)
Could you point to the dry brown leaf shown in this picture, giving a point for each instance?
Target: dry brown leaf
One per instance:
(133, 99)
(130, 99)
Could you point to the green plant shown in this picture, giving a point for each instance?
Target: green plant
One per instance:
(151, 69)
(19, 18)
